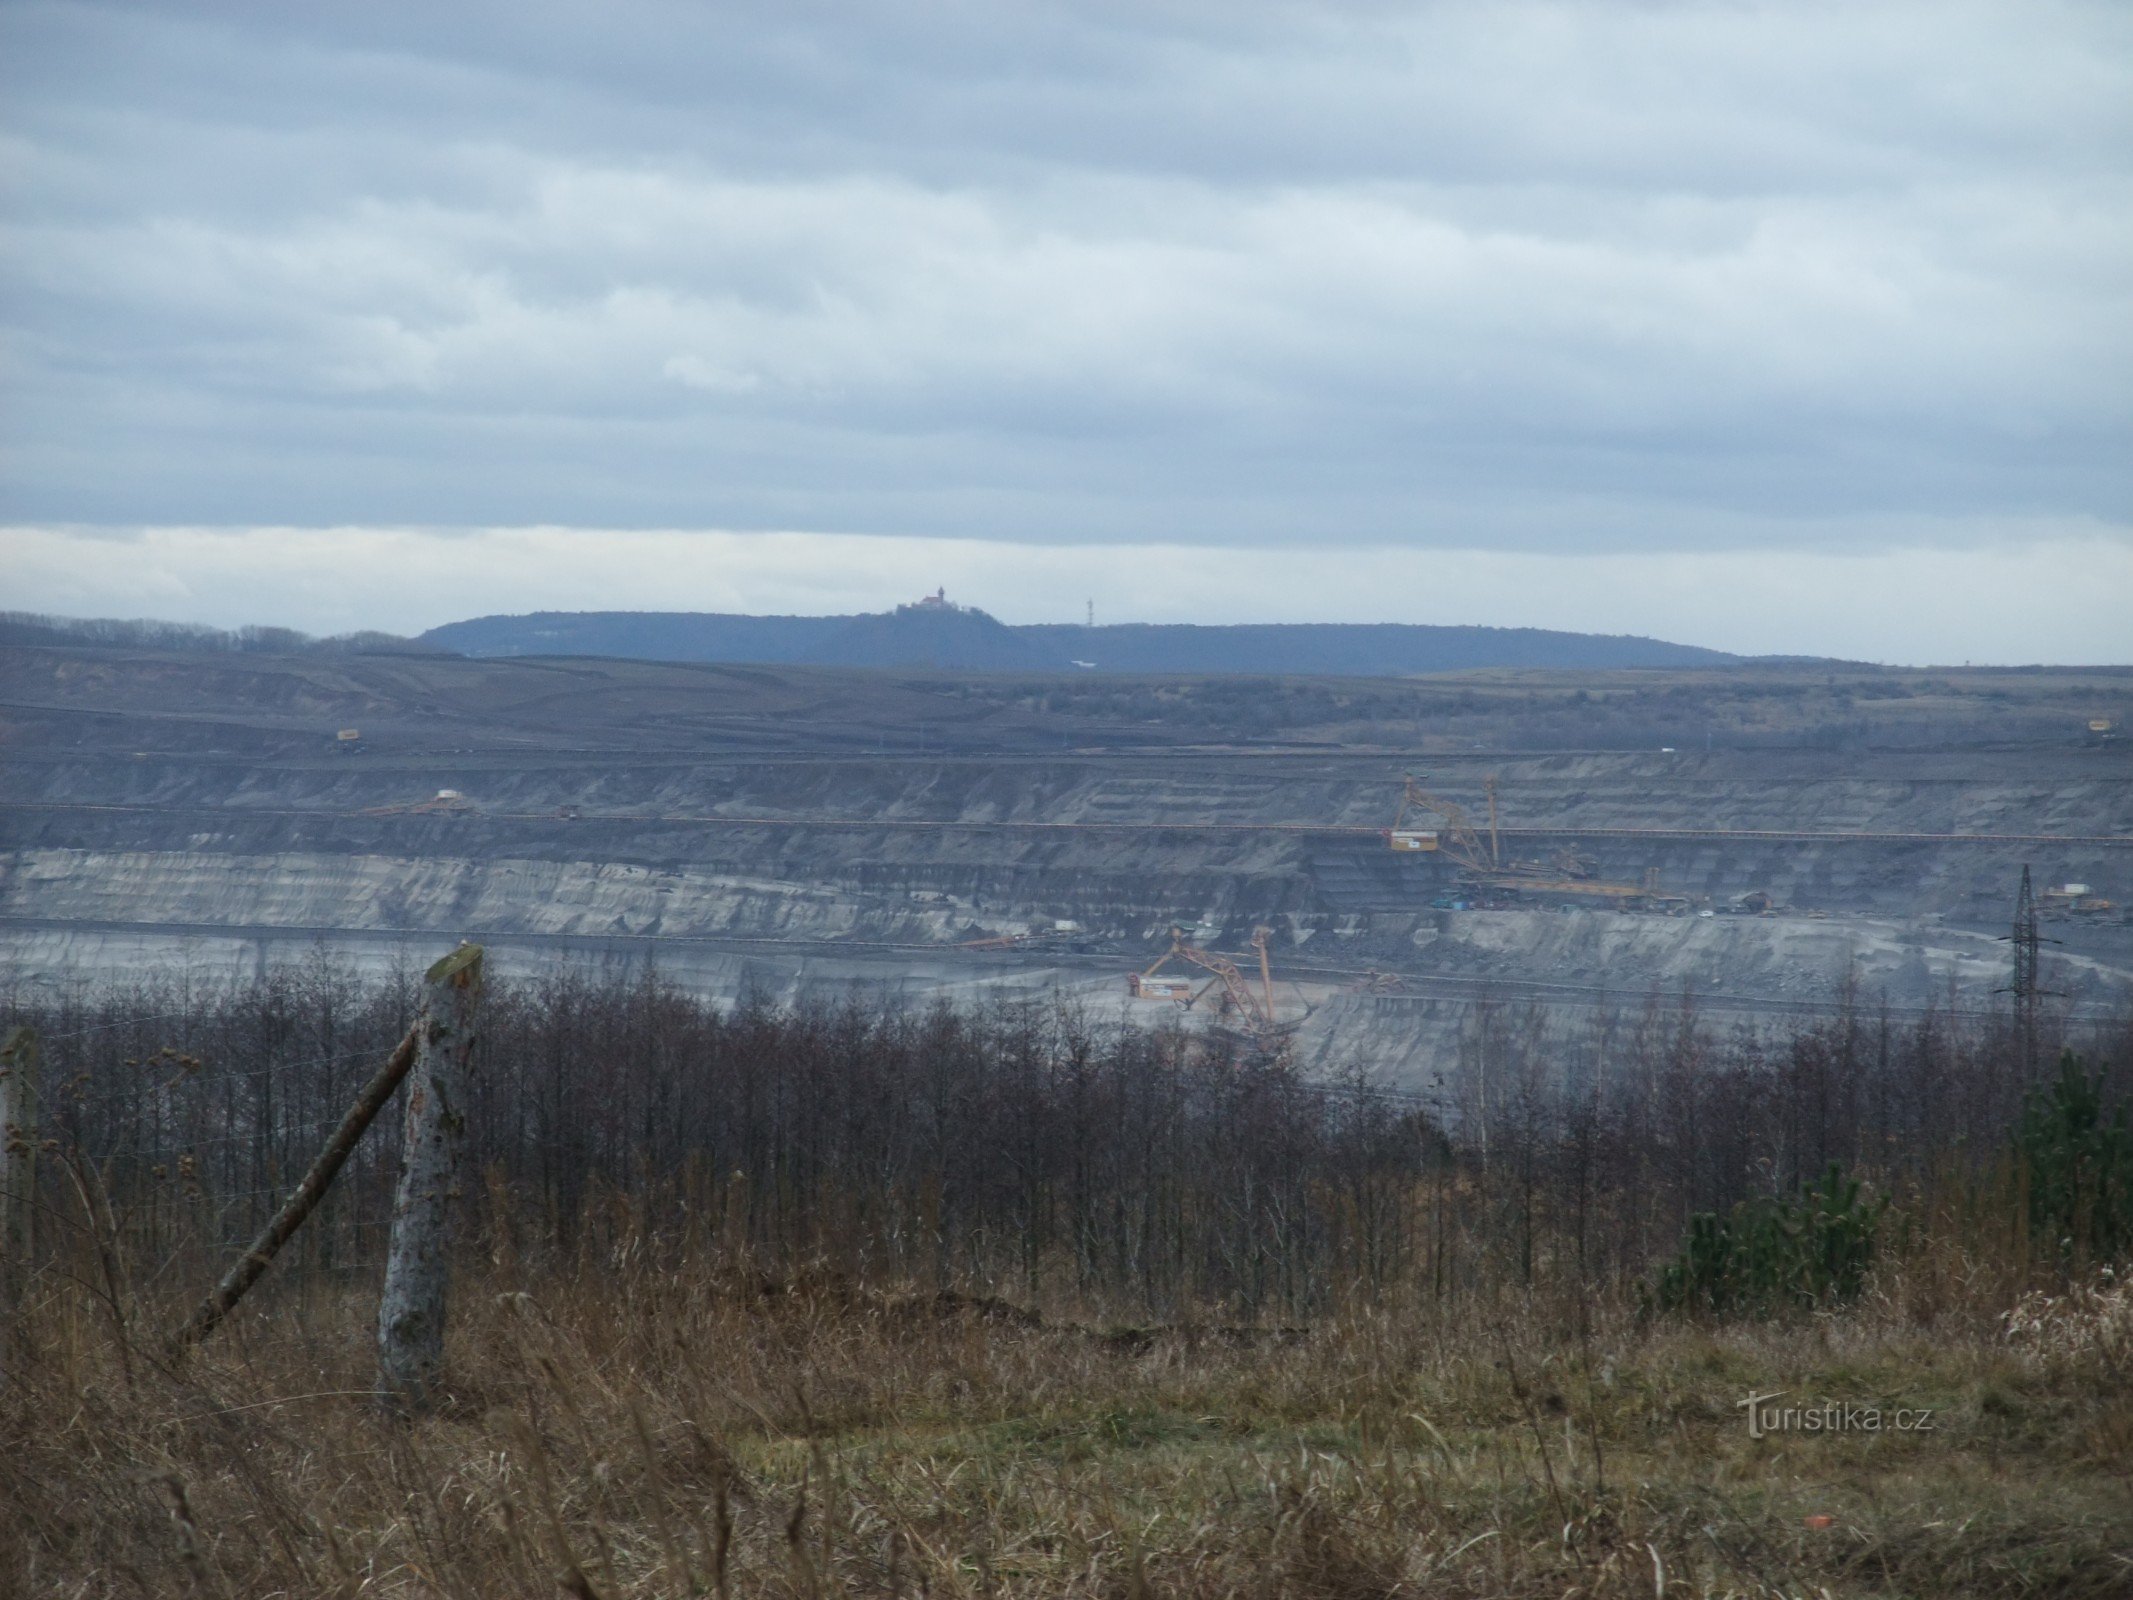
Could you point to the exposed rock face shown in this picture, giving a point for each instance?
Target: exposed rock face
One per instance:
(196, 811)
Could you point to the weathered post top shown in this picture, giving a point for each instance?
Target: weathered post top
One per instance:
(461, 969)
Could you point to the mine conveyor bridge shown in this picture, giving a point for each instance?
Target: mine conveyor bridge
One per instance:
(1321, 830)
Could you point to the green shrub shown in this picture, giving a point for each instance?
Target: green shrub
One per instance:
(2078, 1159)
(1775, 1251)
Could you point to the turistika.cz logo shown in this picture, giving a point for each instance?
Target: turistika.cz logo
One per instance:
(1831, 1416)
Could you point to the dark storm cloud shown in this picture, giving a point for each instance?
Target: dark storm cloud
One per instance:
(1540, 275)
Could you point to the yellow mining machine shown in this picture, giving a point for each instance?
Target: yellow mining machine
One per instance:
(1481, 864)
(1253, 1008)
(445, 803)
(1374, 981)
(2077, 898)
(1454, 835)
(1063, 934)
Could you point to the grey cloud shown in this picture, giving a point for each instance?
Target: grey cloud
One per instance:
(1546, 274)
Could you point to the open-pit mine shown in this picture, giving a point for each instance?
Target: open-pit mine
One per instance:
(1351, 865)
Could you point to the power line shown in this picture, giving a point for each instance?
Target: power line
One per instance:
(121, 1022)
(209, 1077)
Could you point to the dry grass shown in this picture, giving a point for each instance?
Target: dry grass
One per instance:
(625, 1432)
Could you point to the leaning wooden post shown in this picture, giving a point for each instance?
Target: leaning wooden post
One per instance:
(246, 1270)
(411, 1312)
(19, 1137)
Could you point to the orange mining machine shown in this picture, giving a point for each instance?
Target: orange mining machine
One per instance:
(1252, 1008)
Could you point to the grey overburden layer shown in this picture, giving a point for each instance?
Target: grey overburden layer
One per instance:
(803, 831)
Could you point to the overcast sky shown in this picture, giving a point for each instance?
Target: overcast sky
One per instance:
(1770, 327)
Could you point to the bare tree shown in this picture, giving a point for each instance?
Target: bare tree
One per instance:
(20, 1135)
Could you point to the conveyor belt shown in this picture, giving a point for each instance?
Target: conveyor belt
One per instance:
(1167, 825)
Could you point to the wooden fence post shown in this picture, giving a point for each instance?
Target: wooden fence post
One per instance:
(412, 1310)
(19, 1136)
(247, 1268)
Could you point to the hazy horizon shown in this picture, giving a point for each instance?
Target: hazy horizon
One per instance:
(1745, 602)
(1772, 328)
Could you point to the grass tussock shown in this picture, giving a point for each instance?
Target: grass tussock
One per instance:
(621, 1431)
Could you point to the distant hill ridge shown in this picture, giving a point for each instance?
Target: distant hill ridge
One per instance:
(960, 638)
